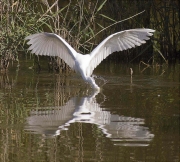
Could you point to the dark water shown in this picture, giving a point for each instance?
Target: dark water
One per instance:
(50, 117)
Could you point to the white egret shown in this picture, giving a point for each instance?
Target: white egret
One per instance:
(51, 44)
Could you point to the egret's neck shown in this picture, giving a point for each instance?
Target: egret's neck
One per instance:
(92, 82)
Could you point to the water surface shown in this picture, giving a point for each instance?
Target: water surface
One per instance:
(57, 117)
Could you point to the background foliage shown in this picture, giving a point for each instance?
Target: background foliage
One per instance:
(79, 21)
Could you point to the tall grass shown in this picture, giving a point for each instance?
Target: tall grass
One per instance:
(18, 18)
(163, 16)
(166, 20)
(78, 22)
(75, 21)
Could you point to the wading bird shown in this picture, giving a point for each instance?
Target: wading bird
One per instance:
(51, 44)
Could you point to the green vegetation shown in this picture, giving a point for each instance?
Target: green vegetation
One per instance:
(79, 21)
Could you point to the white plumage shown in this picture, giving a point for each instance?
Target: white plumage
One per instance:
(51, 44)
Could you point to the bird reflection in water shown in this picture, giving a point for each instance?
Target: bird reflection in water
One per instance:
(124, 131)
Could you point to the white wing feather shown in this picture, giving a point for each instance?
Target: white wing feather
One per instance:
(52, 45)
(117, 42)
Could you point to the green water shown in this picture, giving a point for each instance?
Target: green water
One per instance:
(47, 117)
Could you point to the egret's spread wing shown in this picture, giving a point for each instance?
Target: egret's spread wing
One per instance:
(52, 45)
(118, 42)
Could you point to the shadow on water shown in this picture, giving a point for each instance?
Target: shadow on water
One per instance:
(125, 131)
